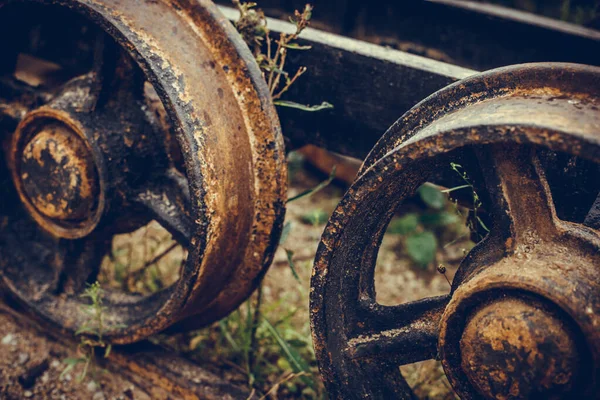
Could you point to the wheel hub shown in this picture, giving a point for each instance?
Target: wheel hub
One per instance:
(515, 329)
(518, 347)
(58, 174)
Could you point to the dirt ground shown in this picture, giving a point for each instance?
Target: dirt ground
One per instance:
(31, 365)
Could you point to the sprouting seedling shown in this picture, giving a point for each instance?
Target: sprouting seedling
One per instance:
(252, 25)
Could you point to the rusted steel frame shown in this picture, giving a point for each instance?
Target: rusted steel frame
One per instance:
(547, 105)
(471, 34)
(237, 183)
(368, 85)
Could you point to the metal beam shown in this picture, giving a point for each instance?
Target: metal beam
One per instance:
(370, 87)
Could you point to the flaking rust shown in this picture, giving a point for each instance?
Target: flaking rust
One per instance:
(89, 161)
(521, 319)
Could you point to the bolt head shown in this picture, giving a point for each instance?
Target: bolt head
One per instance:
(516, 348)
(58, 174)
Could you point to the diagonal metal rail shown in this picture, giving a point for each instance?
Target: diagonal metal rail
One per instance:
(371, 85)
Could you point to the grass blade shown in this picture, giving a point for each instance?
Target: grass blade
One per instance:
(291, 104)
(317, 188)
(296, 361)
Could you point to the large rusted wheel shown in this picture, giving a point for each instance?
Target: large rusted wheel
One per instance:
(85, 157)
(522, 317)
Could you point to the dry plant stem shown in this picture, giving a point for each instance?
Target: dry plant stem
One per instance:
(254, 328)
(252, 26)
(299, 73)
(287, 378)
(156, 259)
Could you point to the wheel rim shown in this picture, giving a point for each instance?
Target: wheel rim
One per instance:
(230, 209)
(361, 344)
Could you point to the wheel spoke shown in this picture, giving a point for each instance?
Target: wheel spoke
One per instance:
(114, 81)
(593, 217)
(17, 99)
(405, 334)
(522, 207)
(77, 263)
(167, 199)
(120, 80)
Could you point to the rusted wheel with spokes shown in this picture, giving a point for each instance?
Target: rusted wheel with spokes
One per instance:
(522, 317)
(87, 155)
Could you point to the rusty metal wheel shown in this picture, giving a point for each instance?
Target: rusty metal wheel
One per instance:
(85, 157)
(522, 317)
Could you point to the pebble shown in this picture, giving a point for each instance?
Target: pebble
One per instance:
(28, 393)
(98, 396)
(9, 339)
(23, 358)
(55, 364)
(91, 386)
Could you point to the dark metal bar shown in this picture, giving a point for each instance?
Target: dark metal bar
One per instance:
(471, 34)
(369, 86)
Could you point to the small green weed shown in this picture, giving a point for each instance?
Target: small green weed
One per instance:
(91, 333)
(421, 229)
(264, 343)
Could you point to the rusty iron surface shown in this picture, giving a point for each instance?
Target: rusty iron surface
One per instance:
(500, 124)
(517, 346)
(88, 160)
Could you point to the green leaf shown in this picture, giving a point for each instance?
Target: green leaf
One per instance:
(483, 224)
(85, 370)
(290, 259)
(276, 70)
(87, 329)
(432, 196)
(439, 219)
(227, 335)
(296, 46)
(297, 343)
(73, 361)
(297, 363)
(315, 217)
(287, 228)
(405, 225)
(317, 188)
(422, 247)
(70, 364)
(323, 106)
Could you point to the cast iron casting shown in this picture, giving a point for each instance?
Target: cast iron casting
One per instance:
(159, 112)
(90, 157)
(522, 317)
